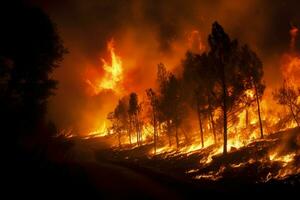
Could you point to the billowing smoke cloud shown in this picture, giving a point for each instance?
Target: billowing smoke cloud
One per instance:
(147, 33)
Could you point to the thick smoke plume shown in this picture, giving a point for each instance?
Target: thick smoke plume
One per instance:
(147, 33)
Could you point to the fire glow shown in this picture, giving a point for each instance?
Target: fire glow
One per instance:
(113, 72)
(243, 126)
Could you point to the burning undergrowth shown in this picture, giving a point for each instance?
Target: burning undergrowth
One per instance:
(262, 161)
(212, 117)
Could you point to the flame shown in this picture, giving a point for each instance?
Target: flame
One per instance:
(240, 132)
(99, 132)
(285, 158)
(113, 72)
(250, 93)
(291, 61)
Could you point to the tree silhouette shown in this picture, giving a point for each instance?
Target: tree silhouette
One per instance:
(120, 119)
(200, 88)
(253, 75)
(154, 102)
(162, 79)
(171, 101)
(134, 110)
(30, 50)
(227, 73)
(288, 96)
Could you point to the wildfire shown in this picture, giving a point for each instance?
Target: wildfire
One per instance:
(113, 72)
(285, 158)
(100, 132)
(244, 124)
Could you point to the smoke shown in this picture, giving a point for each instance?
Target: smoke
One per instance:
(147, 33)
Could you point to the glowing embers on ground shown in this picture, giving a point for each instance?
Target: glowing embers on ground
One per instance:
(287, 163)
(283, 158)
(113, 72)
(210, 148)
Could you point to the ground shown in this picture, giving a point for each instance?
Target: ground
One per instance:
(91, 168)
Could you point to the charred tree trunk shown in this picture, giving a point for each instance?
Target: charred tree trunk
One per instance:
(154, 132)
(200, 125)
(130, 130)
(224, 109)
(258, 111)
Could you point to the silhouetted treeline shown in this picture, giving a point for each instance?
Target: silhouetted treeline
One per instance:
(30, 49)
(226, 78)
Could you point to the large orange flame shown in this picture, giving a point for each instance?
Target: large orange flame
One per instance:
(113, 71)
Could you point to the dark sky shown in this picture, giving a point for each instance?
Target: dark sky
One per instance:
(108, 16)
(148, 32)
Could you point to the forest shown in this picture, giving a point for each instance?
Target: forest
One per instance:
(201, 118)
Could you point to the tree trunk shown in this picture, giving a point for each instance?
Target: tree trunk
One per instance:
(200, 125)
(213, 126)
(225, 128)
(224, 108)
(154, 132)
(294, 116)
(258, 111)
(130, 129)
(137, 131)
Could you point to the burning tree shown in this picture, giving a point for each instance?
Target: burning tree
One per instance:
(171, 102)
(253, 70)
(154, 102)
(120, 119)
(233, 70)
(200, 87)
(289, 96)
(133, 111)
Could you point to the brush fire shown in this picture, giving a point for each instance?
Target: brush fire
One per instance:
(220, 125)
(183, 97)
